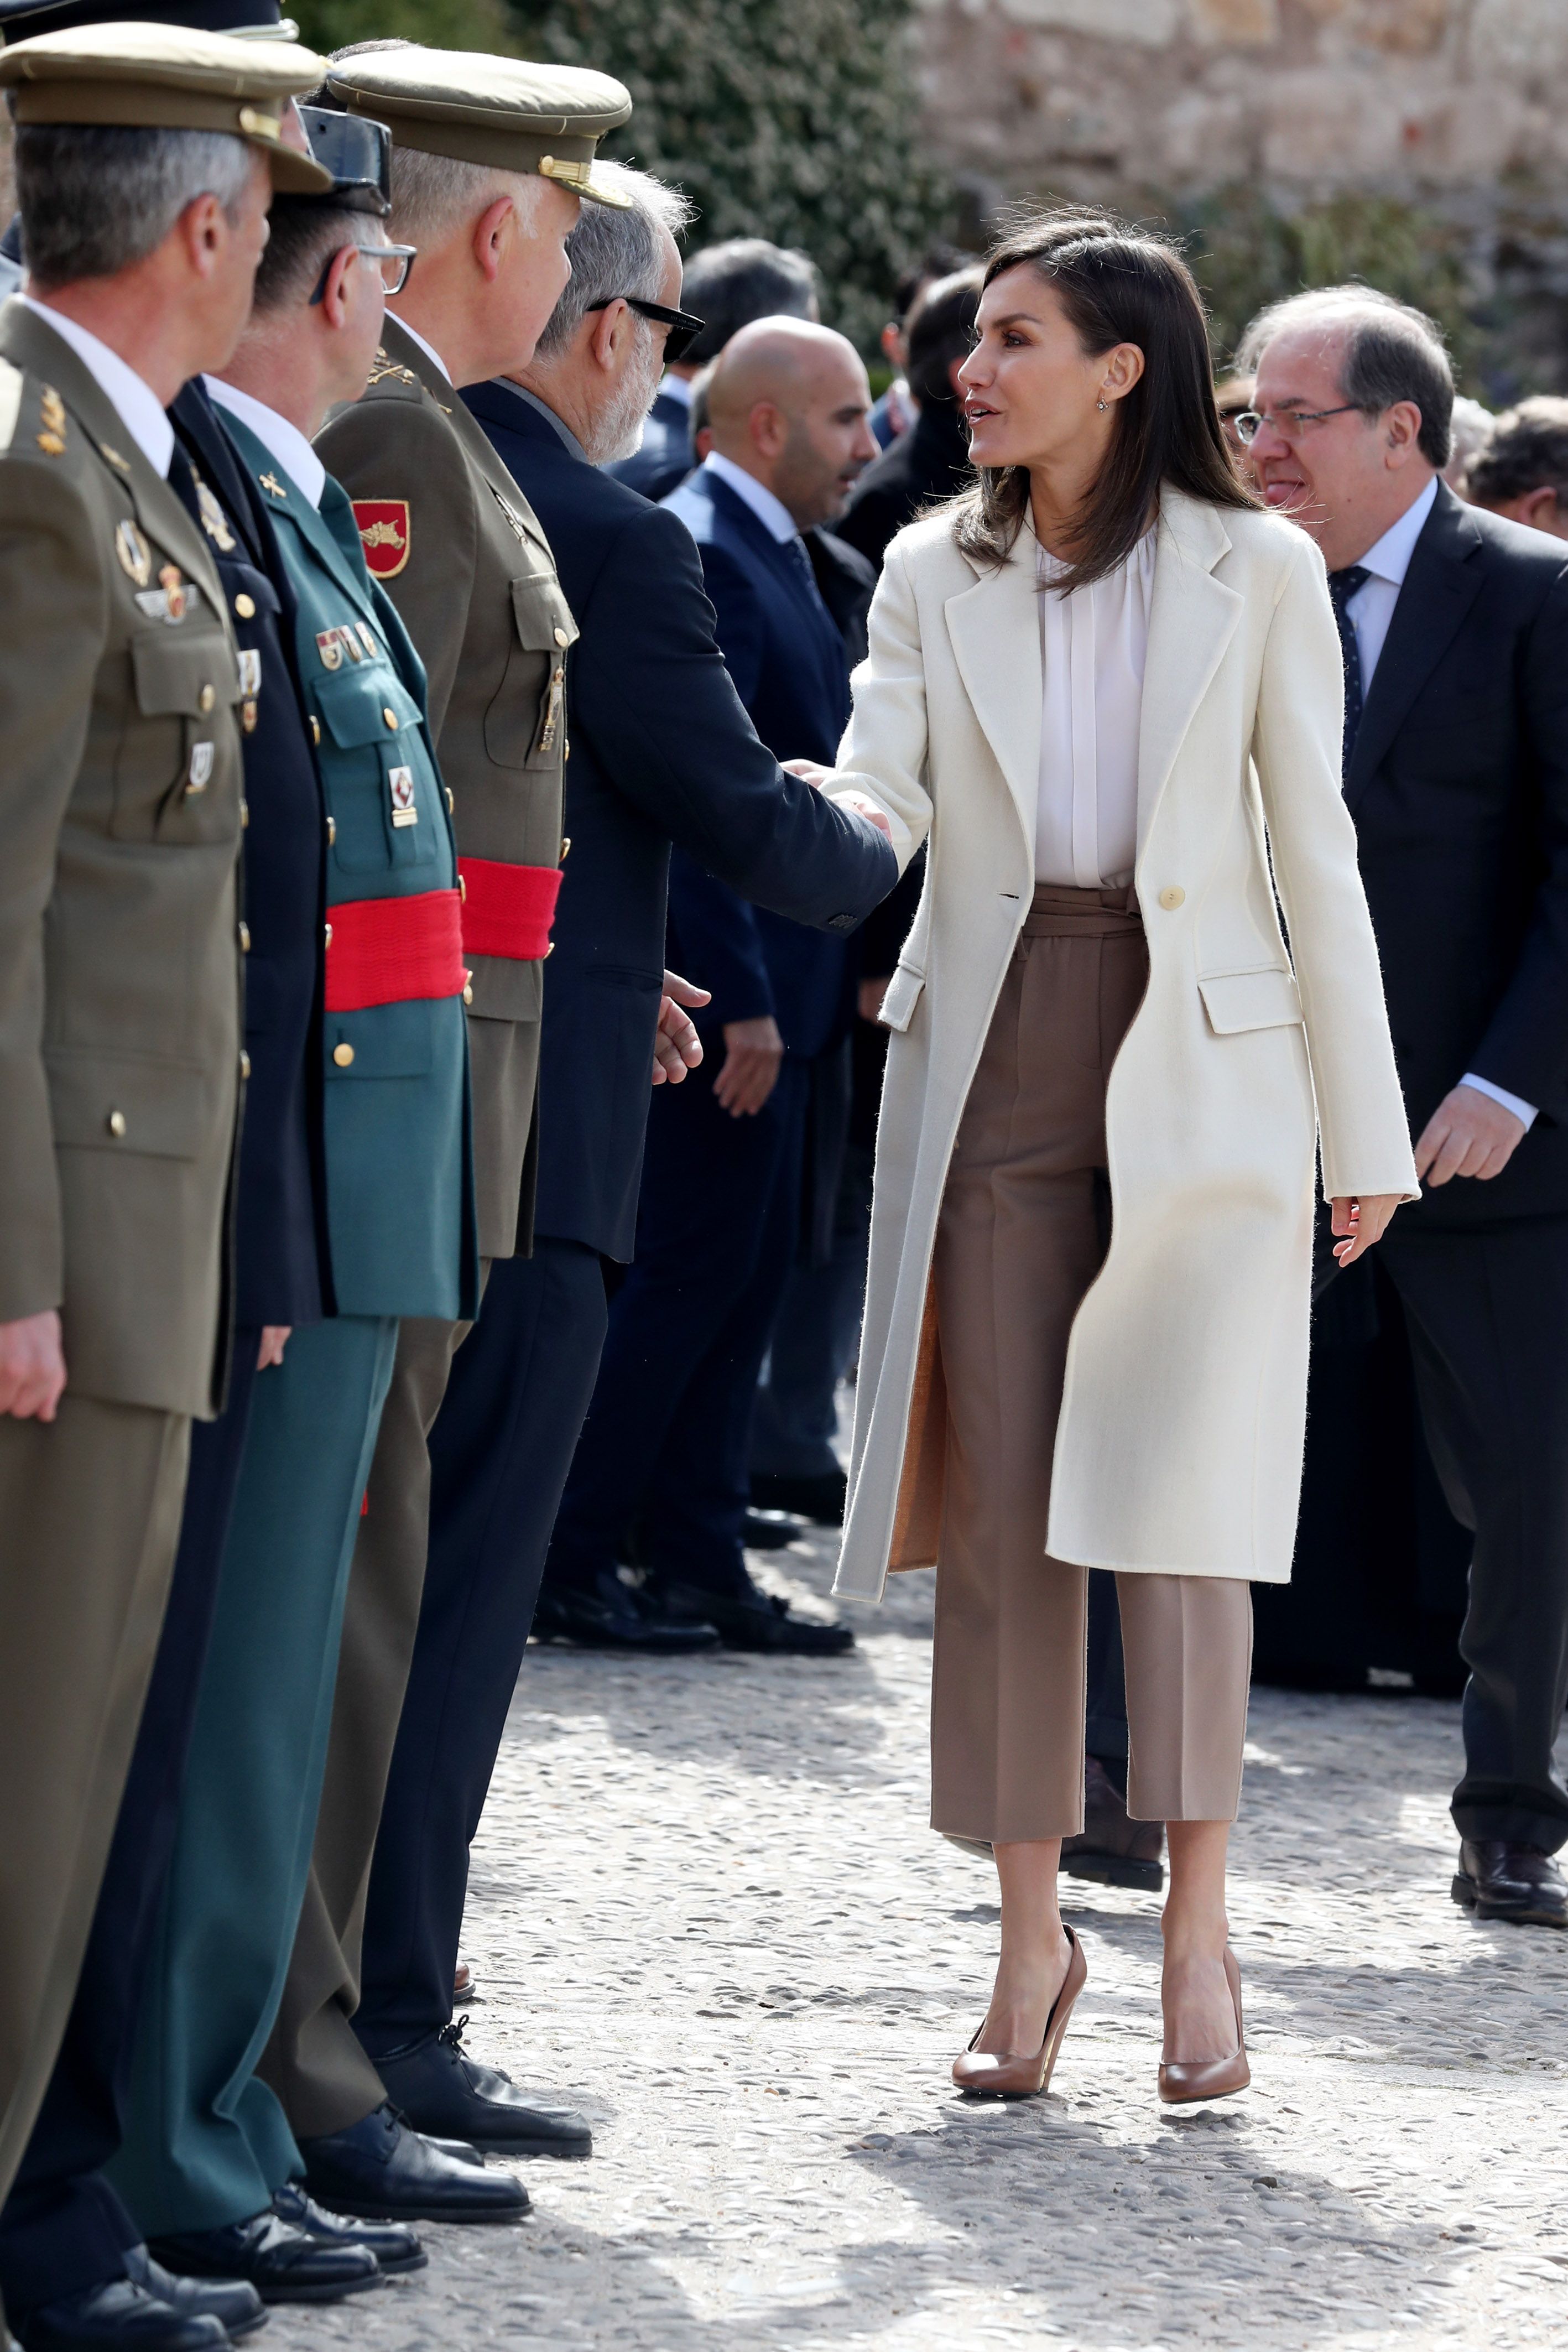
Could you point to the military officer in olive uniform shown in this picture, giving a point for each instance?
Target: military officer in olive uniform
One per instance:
(120, 1043)
(207, 2154)
(502, 151)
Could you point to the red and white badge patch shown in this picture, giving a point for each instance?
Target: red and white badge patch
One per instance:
(384, 534)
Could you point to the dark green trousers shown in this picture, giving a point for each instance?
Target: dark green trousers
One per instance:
(206, 2143)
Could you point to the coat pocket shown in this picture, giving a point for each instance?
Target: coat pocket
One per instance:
(903, 996)
(523, 725)
(112, 1102)
(1234, 1001)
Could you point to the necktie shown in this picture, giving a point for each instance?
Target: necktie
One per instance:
(1342, 586)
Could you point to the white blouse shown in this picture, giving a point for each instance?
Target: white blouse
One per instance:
(1092, 645)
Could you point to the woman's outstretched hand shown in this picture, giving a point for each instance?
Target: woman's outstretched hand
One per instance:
(1360, 1221)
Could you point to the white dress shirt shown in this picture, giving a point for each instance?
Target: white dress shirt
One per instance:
(771, 513)
(677, 388)
(1370, 612)
(285, 441)
(1092, 644)
(131, 396)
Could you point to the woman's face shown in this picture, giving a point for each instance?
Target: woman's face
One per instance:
(1029, 388)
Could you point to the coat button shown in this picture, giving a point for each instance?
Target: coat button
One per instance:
(391, 717)
(245, 606)
(117, 1123)
(243, 1062)
(207, 697)
(315, 730)
(327, 941)
(244, 813)
(451, 804)
(342, 1055)
(467, 991)
(1172, 897)
(332, 831)
(562, 638)
(565, 847)
(245, 938)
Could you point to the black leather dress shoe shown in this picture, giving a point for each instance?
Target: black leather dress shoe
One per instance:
(234, 2305)
(610, 1615)
(284, 2264)
(393, 2244)
(118, 2317)
(385, 2170)
(440, 2088)
(1111, 1848)
(771, 1530)
(821, 1500)
(757, 1621)
(1498, 1881)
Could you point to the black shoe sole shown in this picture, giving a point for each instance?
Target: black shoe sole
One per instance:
(361, 2210)
(248, 2326)
(1524, 1915)
(1115, 1870)
(336, 2293)
(406, 2265)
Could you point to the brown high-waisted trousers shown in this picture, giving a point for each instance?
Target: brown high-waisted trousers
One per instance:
(1024, 1226)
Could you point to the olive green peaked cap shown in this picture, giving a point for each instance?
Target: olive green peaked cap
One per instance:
(504, 111)
(168, 77)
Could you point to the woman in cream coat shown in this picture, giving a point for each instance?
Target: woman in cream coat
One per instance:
(1108, 686)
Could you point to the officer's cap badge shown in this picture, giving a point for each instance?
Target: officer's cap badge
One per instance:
(384, 534)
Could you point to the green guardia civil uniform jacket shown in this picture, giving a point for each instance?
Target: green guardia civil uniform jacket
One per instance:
(462, 557)
(121, 779)
(396, 1119)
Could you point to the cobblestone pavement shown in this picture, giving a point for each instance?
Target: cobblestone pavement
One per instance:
(706, 1909)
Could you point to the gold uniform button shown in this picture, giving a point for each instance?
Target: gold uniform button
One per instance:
(332, 831)
(244, 813)
(245, 606)
(205, 700)
(329, 938)
(562, 638)
(342, 1055)
(245, 938)
(117, 1123)
(467, 991)
(462, 889)
(565, 846)
(315, 730)
(1172, 897)
(451, 804)
(243, 1062)
(391, 717)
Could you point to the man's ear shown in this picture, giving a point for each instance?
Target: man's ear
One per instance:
(769, 428)
(201, 229)
(493, 234)
(610, 328)
(1402, 432)
(336, 297)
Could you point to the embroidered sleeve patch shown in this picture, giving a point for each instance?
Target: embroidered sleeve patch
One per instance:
(384, 533)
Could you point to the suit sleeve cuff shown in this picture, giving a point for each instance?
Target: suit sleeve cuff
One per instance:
(1526, 1111)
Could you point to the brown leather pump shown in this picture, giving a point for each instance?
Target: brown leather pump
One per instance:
(1025, 2078)
(1182, 2081)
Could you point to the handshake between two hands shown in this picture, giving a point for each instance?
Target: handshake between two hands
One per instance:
(812, 773)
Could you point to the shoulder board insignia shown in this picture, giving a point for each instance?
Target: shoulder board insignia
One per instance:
(114, 456)
(10, 401)
(385, 533)
(272, 485)
(52, 417)
(135, 555)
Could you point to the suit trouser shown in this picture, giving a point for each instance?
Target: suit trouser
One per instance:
(205, 2143)
(814, 1340)
(89, 1505)
(63, 2228)
(500, 1453)
(666, 1442)
(1488, 1318)
(1021, 1238)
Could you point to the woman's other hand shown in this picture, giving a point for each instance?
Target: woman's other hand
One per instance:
(1360, 1221)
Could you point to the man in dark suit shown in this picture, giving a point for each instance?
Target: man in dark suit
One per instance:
(1455, 627)
(725, 286)
(660, 747)
(931, 461)
(666, 1444)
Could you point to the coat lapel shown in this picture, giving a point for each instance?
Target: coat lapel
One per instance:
(995, 631)
(1192, 619)
(1439, 590)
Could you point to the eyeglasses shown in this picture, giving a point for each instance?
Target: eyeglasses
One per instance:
(1289, 422)
(683, 325)
(396, 261)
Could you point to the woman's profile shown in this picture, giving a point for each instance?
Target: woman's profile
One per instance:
(1107, 685)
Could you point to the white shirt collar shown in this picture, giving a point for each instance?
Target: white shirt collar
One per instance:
(285, 441)
(133, 398)
(770, 512)
(1390, 559)
(676, 388)
(431, 353)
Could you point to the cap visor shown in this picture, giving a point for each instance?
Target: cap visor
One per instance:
(294, 174)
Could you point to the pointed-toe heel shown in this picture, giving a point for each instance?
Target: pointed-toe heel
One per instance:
(1182, 2082)
(1025, 2078)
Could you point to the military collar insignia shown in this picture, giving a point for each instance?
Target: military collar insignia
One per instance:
(272, 485)
(384, 368)
(214, 522)
(135, 555)
(115, 459)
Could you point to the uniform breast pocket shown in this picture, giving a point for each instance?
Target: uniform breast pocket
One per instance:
(175, 776)
(525, 724)
(377, 770)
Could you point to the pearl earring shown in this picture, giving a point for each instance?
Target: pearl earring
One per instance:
(1101, 403)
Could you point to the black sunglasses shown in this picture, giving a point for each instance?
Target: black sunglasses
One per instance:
(683, 326)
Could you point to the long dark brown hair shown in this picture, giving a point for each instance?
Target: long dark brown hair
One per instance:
(1117, 285)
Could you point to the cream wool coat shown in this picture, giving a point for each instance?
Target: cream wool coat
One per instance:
(1178, 1448)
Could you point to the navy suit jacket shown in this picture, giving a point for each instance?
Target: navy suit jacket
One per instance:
(661, 750)
(787, 657)
(1458, 787)
(665, 458)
